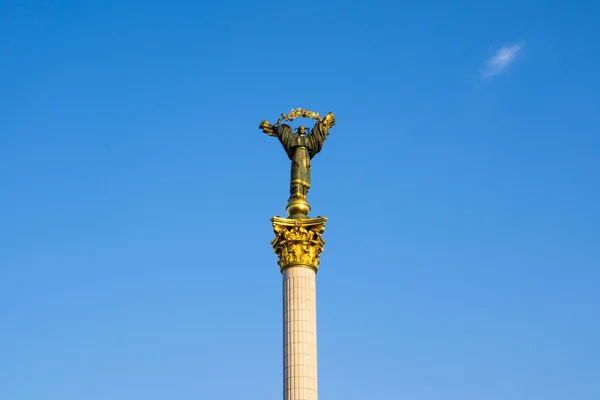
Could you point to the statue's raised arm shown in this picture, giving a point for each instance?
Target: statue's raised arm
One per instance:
(319, 134)
(300, 148)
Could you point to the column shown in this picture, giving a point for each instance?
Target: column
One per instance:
(298, 243)
(300, 334)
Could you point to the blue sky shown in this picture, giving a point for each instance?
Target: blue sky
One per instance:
(460, 182)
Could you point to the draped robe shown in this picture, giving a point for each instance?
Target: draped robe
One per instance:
(301, 149)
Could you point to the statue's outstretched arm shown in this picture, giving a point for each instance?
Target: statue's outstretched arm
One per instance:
(319, 134)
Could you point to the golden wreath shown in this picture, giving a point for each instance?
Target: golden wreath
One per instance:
(328, 120)
(300, 113)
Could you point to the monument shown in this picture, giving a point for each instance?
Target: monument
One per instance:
(298, 243)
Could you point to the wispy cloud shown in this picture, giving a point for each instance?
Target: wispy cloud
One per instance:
(501, 60)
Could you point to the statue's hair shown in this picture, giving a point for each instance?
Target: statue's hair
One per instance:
(306, 130)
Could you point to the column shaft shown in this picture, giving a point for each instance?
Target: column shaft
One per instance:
(300, 334)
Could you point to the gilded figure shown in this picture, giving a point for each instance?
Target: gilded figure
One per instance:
(300, 147)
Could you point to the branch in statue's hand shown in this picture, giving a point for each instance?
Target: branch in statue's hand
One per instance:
(329, 120)
(267, 128)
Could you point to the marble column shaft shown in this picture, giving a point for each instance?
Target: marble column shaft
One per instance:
(300, 334)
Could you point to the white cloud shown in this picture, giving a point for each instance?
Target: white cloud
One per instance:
(501, 59)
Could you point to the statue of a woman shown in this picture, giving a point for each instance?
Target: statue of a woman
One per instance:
(300, 148)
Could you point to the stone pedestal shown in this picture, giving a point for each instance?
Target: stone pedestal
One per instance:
(298, 243)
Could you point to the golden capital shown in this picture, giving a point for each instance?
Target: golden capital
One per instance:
(298, 242)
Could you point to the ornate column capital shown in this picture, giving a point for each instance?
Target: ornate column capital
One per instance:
(298, 242)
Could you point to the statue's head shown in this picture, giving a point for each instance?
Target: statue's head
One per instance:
(301, 130)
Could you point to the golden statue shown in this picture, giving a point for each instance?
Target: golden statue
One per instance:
(300, 148)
